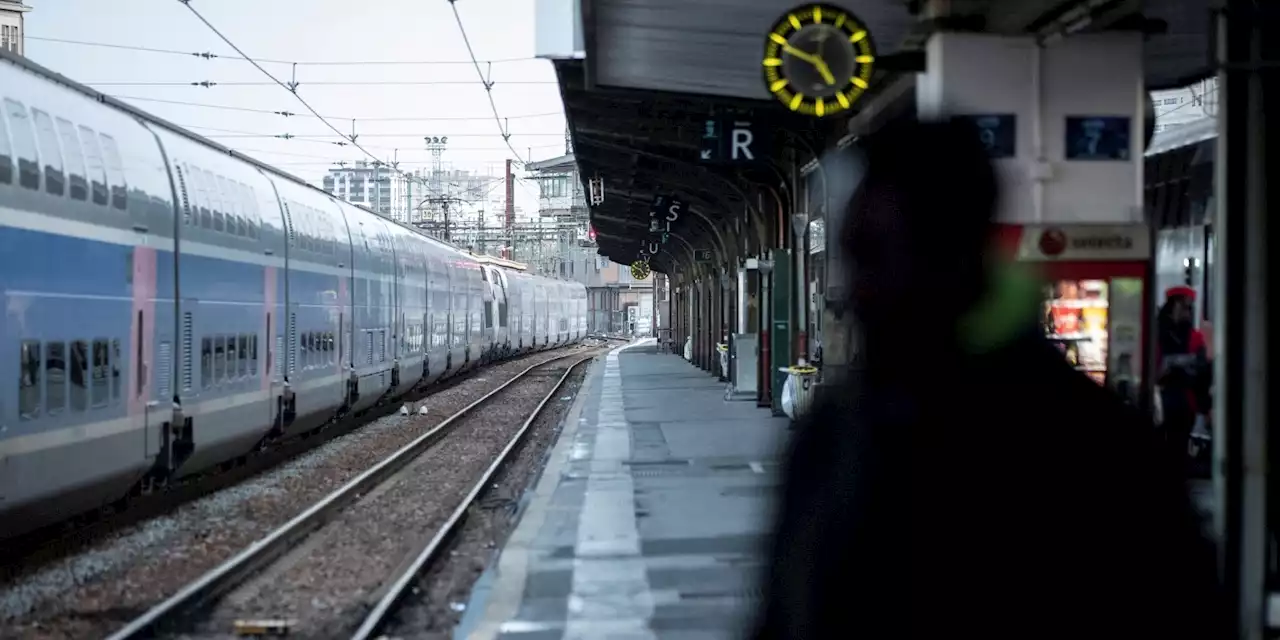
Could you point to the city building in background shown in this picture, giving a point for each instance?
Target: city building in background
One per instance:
(367, 184)
(12, 26)
(566, 248)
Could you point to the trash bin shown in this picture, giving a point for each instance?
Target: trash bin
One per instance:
(797, 391)
(688, 348)
(723, 349)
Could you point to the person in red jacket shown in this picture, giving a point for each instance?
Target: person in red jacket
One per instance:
(1184, 374)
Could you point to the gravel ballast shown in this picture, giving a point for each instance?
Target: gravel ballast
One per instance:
(101, 588)
(327, 584)
(439, 598)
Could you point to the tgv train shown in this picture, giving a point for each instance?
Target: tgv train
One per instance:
(170, 306)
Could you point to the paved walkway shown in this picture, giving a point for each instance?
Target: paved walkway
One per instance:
(649, 519)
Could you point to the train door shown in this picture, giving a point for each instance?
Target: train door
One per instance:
(398, 257)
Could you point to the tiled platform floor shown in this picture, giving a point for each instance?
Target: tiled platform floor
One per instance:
(649, 520)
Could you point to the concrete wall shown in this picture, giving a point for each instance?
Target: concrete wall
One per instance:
(1085, 75)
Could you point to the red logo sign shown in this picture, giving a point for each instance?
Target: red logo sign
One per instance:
(1053, 242)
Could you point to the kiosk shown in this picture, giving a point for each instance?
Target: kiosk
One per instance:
(1096, 296)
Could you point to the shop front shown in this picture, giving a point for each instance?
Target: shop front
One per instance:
(1096, 296)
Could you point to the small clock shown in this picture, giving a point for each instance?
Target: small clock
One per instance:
(818, 60)
(640, 270)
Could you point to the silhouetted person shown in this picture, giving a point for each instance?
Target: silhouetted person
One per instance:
(969, 482)
(1184, 374)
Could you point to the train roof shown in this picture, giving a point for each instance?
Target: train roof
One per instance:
(499, 262)
(98, 96)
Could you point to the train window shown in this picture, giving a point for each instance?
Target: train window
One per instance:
(98, 393)
(79, 375)
(200, 202)
(206, 362)
(243, 351)
(219, 358)
(488, 314)
(115, 370)
(24, 144)
(54, 180)
(115, 173)
(6, 155)
(55, 374)
(78, 186)
(97, 173)
(253, 355)
(304, 349)
(228, 204)
(29, 370)
(233, 359)
(215, 202)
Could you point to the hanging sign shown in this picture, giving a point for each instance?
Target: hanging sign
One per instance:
(664, 214)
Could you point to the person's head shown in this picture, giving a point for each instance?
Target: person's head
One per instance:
(918, 227)
(1179, 305)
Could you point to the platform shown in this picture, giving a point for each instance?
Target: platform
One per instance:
(649, 520)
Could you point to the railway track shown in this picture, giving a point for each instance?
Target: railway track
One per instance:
(342, 566)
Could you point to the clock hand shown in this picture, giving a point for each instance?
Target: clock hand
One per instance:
(814, 60)
(802, 55)
(824, 70)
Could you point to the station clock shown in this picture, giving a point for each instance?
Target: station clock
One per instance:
(640, 270)
(818, 60)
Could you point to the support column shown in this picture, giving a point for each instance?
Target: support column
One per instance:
(1248, 498)
(781, 335)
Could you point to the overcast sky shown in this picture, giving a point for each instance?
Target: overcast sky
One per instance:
(308, 31)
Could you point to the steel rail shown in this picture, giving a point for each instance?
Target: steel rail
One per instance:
(381, 612)
(263, 551)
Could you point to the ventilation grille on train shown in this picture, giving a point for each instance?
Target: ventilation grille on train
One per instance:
(186, 204)
(279, 354)
(288, 220)
(293, 342)
(188, 361)
(166, 369)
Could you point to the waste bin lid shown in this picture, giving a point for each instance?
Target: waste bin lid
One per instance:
(799, 371)
(722, 347)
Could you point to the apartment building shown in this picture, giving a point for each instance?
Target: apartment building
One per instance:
(13, 26)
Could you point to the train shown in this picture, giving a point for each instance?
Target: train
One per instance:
(172, 306)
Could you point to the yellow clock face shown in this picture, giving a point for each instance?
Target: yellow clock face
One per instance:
(639, 269)
(818, 60)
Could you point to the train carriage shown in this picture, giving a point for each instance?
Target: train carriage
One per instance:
(87, 264)
(173, 306)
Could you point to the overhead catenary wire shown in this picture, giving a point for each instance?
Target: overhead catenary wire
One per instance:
(237, 133)
(488, 85)
(205, 55)
(209, 84)
(331, 160)
(290, 114)
(291, 88)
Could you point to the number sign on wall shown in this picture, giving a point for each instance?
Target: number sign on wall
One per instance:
(1098, 138)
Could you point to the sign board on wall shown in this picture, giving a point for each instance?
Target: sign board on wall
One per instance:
(1084, 243)
(731, 140)
(998, 131)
